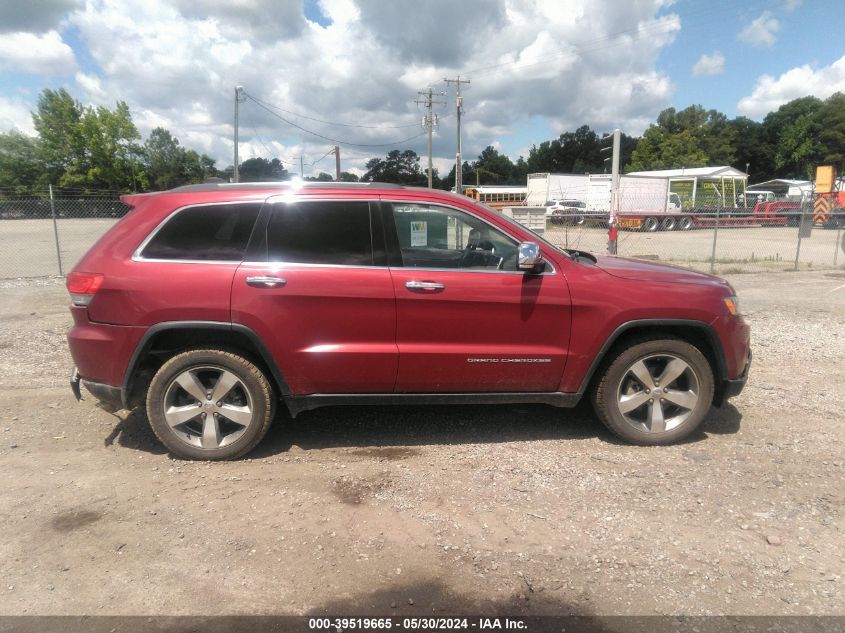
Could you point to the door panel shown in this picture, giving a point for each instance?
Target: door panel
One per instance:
(323, 301)
(330, 329)
(467, 321)
(481, 331)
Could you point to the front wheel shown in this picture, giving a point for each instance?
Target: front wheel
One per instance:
(657, 391)
(209, 404)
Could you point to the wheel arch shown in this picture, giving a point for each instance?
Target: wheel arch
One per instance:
(165, 339)
(697, 333)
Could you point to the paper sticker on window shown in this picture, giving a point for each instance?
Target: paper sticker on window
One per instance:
(419, 234)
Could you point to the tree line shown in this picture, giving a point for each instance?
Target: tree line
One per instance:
(97, 148)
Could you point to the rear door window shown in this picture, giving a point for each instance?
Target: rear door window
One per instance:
(218, 232)
(321, 232)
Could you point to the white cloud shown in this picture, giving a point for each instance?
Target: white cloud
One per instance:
(93, 87)
(709, 65)
(790, 5)
(43, 54)
(15, 115)
(561, 62)
(770, 93)
(762, 31)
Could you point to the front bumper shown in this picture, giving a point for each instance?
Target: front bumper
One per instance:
(111, 397)
(734, 387)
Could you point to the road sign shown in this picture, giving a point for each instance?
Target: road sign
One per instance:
(825, 179)
(821, 210)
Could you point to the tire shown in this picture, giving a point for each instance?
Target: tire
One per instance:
(242, 410)
(624, 399)
(685, 223)
(669, 224)
(650, 224)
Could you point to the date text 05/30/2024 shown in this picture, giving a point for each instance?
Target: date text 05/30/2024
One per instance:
(416, 624)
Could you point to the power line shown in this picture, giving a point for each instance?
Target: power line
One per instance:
(260, 140)
(328, 138)
(331, 151)
(310, 118)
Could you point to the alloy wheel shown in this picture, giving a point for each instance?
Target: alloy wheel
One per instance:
(208, 407)
(658, 393)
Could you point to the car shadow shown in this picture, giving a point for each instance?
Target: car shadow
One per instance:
(362, 426)
(409, 426)
(133, 431)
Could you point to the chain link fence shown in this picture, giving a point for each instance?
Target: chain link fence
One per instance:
(45, 231)
(720, 240)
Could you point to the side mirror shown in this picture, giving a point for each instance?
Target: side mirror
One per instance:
(530, 259)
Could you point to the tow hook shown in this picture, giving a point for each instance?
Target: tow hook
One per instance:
(74, 384)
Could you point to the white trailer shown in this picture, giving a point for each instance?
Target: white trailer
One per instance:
(637, 194)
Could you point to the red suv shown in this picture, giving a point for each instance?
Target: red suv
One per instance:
(210, 304)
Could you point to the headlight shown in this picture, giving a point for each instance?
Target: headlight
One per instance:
(732, 304)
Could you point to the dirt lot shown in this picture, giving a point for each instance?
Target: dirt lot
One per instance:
(517, 509)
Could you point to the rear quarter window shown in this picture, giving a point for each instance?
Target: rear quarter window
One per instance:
(218, 232)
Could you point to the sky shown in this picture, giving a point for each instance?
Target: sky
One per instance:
(322, 72)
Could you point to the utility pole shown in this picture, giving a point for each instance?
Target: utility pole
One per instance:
(302, 167)
(429, 121)
(613, 220)
(337, 163)
(240, 97)
(459, 105)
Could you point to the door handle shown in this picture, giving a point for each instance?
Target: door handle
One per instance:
(266, 282)
(424, 286)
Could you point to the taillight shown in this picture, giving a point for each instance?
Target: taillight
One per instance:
(83, 286)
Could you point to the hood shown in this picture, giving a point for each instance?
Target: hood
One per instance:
(643, 270)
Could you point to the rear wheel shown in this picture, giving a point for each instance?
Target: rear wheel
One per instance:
(209, 404)
(655, 392)
(650, 225)
(685, 223)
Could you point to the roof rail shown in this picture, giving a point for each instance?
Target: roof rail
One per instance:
(283, 184)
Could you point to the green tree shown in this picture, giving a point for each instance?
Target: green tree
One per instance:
(109, 147)
(793, 133)
(168, 164)
(492, 168)
(21, 163)
(752, 151)
(346, 176)
(397, 167)
(321, 177)
(693, 137)
(57, 120)
(577, 152)
(163, 157)
(467, 177)
(262, 170)
(831, 136)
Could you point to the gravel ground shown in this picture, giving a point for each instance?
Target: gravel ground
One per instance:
(522, 510)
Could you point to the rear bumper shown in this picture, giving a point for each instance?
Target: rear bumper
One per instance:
(101, 352)
(106, 394)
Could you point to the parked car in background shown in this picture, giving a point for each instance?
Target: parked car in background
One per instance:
(567, 212)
